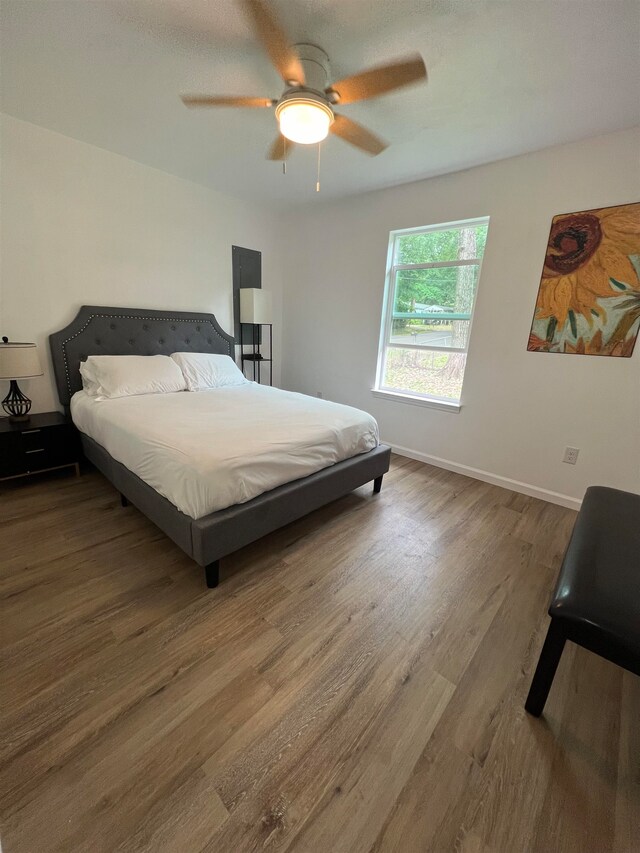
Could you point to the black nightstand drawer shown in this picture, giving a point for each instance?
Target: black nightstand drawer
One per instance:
(37, 439)
(42, 457)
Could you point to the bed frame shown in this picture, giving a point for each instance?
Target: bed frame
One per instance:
(98, 330)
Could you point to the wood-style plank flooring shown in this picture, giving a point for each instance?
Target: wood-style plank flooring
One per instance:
(356, 683)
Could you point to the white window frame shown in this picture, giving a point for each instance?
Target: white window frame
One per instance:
(386, 326)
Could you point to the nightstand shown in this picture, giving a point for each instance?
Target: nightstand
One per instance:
(43, 443)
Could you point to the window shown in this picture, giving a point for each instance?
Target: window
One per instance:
(431, 286)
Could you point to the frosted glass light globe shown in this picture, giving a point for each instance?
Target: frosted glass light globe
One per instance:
(304, 121)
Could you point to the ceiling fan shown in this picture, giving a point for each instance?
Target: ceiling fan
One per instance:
(305, 110)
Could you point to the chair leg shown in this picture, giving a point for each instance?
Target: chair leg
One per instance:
(546, 669)
(212, 574)
(377, 485)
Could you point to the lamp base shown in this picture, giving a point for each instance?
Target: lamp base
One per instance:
(16, 404)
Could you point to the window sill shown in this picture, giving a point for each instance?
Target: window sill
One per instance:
(442, 405)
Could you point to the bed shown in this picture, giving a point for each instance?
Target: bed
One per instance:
(206, 536)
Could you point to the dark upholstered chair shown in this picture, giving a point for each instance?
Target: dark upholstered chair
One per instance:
(596, 603)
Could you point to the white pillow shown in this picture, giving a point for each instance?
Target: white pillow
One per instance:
(89, 381)
(204, 370)
(107, 376)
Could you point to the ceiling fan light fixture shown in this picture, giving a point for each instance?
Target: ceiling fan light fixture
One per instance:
(304, 120)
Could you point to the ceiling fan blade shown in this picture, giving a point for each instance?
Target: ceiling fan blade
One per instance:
(280, 149)
(224, 101)
(377, 81)
(282, 54)
(358, 135)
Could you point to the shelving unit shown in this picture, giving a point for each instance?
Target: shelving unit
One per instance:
(255, 357)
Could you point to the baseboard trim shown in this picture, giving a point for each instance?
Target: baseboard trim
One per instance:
(488, 477)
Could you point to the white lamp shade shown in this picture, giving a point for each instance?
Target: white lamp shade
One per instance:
(19, 361)
(255, 306)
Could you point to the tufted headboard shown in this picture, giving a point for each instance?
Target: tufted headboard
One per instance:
(97, 330)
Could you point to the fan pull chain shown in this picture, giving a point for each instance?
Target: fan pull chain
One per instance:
(284, 157)
(318, 181)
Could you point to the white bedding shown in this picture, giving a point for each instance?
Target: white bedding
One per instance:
(213, 449)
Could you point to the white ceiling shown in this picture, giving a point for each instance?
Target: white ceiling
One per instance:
(505, 77)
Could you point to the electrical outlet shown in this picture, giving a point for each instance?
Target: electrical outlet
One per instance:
(571, 455)
(319, 394)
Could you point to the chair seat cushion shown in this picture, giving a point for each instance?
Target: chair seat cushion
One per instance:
(598, 587)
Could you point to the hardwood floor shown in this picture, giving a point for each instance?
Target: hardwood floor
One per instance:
(356, 683)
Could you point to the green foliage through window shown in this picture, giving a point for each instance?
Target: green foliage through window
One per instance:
(445, 288)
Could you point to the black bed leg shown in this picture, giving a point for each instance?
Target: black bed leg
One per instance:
(377, 484)
(123, 500)
(212, 574)
(546, 669)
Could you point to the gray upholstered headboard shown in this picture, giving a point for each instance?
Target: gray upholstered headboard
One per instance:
(97, 330)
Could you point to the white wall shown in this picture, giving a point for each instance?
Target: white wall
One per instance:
(519, 409)
(81, 225)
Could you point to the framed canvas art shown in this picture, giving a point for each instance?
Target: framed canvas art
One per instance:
(589, 296)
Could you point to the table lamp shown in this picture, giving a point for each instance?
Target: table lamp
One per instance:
(18, 361)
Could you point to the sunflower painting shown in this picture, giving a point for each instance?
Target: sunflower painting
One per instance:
(589, 296)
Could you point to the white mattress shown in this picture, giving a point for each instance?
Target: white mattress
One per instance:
(209, 450)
